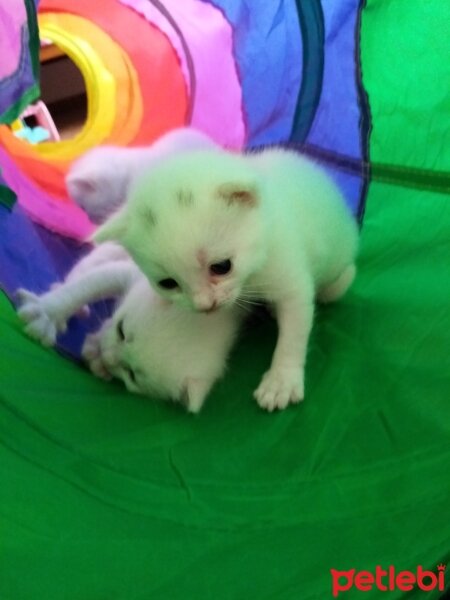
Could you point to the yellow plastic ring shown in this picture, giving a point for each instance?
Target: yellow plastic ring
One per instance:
(114, 99)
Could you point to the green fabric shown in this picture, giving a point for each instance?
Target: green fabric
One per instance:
(108, 496)
(7, 196)
(16, 109)
(406, 70)
(113, 496)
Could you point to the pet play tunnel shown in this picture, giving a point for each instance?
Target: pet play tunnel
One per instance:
(106, 495)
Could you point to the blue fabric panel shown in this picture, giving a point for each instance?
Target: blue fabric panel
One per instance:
(268, 53)
(336, 123)
(330, 124)
(34, 258)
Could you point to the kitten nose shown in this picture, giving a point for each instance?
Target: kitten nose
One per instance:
(205, 304)
(211, 308)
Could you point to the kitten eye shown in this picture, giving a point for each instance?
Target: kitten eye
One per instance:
(131, 374)
(168, 284)
(221, 268)
(120, 331)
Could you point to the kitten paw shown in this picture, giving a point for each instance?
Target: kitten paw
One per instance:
(279, 387)
(38, 324)
(91, 353)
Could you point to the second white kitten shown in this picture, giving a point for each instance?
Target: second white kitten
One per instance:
(155, 347)
(99, 180)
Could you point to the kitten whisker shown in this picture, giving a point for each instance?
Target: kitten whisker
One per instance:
(246, 307)
(251, 301)
(264, 288)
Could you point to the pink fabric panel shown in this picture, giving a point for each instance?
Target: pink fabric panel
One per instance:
(218, 104)
(63, 217)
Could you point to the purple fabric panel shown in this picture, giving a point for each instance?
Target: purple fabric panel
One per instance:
(336, 124)
(218, 102)
(16, 74)
(58, 215)
(34, 258)
(268, 52)
(13, 18)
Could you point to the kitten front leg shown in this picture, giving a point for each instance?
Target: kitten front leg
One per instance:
(47, 314)
(284, 382)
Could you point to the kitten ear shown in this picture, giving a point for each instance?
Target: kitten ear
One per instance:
(113, 229)
(244, 193)
(79, 187)
(194, 393)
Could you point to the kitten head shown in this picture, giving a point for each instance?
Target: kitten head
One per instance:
(195, 226)
(121, 347)
(98, 182)
(158, 349)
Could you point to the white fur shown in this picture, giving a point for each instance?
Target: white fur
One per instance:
(99, 180)
(276, 215)
(172, 352)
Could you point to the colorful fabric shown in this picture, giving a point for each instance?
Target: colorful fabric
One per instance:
(250, 77)
(107, 495)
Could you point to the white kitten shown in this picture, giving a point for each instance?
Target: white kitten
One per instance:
(215, 228)
(99, 180)
(155, 347)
